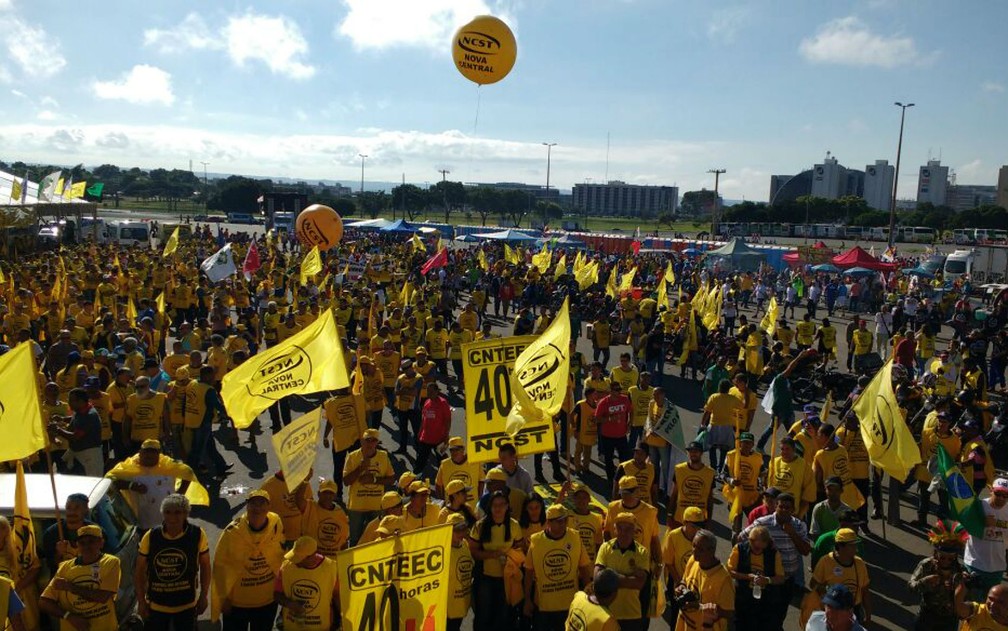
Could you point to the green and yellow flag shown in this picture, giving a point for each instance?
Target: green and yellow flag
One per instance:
(890, 444)
(963, 504)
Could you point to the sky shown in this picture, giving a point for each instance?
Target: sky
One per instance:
(645, 91)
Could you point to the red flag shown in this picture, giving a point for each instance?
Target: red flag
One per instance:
(636, 243)
(251, 263)
(438, 260)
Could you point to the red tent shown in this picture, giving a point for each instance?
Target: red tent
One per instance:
(858, 257)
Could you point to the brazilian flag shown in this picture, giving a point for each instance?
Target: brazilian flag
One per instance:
(963, 504)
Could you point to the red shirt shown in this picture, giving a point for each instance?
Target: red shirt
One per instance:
(905, 351)
(613, 415)
(435, 421)
(759, 511)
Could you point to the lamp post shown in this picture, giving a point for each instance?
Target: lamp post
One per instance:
(363, 156)
(206, 190)
(899, 154)
(717, 201)
(588, 182)
(549, 151)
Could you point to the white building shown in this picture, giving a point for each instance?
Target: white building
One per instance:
(620, 198)
(1002, 187)
(878, 185)
(932, 183)
(829, 179)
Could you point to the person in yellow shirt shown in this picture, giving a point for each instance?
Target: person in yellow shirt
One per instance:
(626, 374)
(640, 395)
(590, 612)
(643, 470)
(722, 414)
(387, 360)
(645, 517)
(601, 339)
(584, 429)
(367, 471)
(791, 474)
(82, 593)
(458, 468)
(326, 522)
(460, 576)
(931, 437)
(491, 540)
(992, 614)
(557, 565)
(631, 562)
(677, 549)
(456, 338)
(692, 484)
(146, 414)
(805, 331)
(290, 506)
(743, 470)
(305, 566)
(436, 341)
(177, 359)
(419, 512)
(844, 567)
(827, 338)
(708, 579)
(864, 341)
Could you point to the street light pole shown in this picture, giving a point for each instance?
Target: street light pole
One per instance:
(717, 201)
(444, 191)
(363, 156)
(206, 191)
(549, 151)
(899, 154)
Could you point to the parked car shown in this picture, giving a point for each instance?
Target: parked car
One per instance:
(108, 509)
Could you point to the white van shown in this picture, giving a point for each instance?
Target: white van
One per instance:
(959, 263)
(130, 232)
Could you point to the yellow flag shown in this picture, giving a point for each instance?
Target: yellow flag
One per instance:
(77, 190)
(171, 244)
(540, 375)
(418, 244)
(769, 321)
(662, 292)
(483, 261)
(626, 282)
(579, 262)
(296, 446)
(60, 183)
(160, 302)
(311, 264)
(587, 276)
(827, 406)
(25, 547)
(670, 273)
(368, 580)
(20, 412)
(611, 289)
(309, 361)
(890, 444)
(712, 315)
(131, 311)
(561, 267)
(15, 193)
(510, 255)
(3, 279)
(543, 260)
(406, 293)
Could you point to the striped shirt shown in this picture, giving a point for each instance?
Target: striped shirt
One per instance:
(791, 559)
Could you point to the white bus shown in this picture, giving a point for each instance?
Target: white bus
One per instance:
(918, 234)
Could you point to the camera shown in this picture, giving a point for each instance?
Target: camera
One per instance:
(685, 598)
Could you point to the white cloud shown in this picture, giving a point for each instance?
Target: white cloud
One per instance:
(142, 85)
(191, 33)
(36, 52)
(849, 41)
(993, 86)
(274, 41)
(725, 24)
(973, 172)
(380, 24)
(47, 115)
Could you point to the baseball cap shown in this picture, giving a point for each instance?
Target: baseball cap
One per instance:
(92, 382)
(746, 437)
(556, 511)
(771, 491)
(834, 481)
(391, 499)
(496, 475)
(628, 483)
(695, 445)
(263, 493)
(304, 547)
(151, 443)
(694, 515)
(811, 408)
(406, 479)
(456, 486)
(370, 434)
(456, 442)
(328, 487)
(580, 487)
(457, 520)
(814, 421)
(839, 597)
(90, 531)
(421, 350)
(182, 372)
(390, 524)
(846, 535)
(626, 518)
(1000, 486)
(418, 486)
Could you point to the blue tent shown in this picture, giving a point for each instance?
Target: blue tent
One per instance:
(399, 226)
(825, 267)
(858, 271)
(508, 236)
(918, 271)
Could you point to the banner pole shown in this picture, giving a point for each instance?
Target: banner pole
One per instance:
(52, 481)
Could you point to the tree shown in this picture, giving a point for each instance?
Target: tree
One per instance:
(411, 198)
(372, 203)
(237, 194)
(517, 205)
(666, 219)
(450, 194)
(486, 201)
(549, 210)
(698, 202)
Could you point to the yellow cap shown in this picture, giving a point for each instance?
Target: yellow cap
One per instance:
(370, 434)
(496, 475)
(556, 511)
(391, 499)
(694, 515)
(421, 350)
(182, 372)
(90, 531)
(328, 487)
(390, 525)
(304, 547)
(263, 493)
(406, 479)
(87, 354)
(151, 443)
(846, 535)
(457, 520)
(456, 486)
(418, 486)
(626, 518)
(456, 441)
(364, 359)
(628, 483)
(580, 487)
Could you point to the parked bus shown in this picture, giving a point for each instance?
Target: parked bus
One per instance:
(917, 234)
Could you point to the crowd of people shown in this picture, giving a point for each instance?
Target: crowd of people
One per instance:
(132, 347)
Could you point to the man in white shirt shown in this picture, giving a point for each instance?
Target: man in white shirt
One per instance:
(985, 556)
(883, 331)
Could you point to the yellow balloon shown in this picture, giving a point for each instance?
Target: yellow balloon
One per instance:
(319, 225)
(484, 50)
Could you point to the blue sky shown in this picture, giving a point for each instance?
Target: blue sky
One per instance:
(299, 88)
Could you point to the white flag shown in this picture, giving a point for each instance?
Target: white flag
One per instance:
(768, 398)
(47, 187)
(220, 265)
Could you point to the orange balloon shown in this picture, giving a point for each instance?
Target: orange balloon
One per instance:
(319, 225)
(484, 50)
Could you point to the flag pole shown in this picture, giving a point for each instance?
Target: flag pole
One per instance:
(52, 481)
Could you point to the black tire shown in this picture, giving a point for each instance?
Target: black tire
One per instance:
(804, 390)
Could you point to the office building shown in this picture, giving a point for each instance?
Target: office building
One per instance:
(932, 183)
(829, 179)
(621, 199)
(539, 193)
(962, 197)
(776, 183)
(878, 185)
(1002, 187)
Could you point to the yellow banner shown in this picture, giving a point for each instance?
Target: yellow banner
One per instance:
(171, 244)
(397, 584)
(890, 444)
(540, 375)
(296, 446)
(308, 362)
(311, 264)
(487, 366)
(20, 413)
(543, 260)
(587, 275)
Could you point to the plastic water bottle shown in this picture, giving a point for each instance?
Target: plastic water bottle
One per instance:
(757, 589)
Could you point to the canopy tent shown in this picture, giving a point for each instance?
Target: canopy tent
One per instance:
(468, 238)
(918, 271)
(565, 242)
(827, 268)
(400, 226)
(736, 255)
(858, 257)
(858, 271)
(369, 224)
(508, 236)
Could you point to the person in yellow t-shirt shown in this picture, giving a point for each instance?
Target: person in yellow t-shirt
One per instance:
(458, 467)
(626, 374)
(305, 566)
(436, 341)
(631, 562)
(692, 485)
(988, 616)
(805, 331)
(290, 506)
(456, 338)
(419, 512)
(709, 580)
(491, 540)
(640, 395)
(643, 470)
(460, 576)
(82, 593)
(844, 567)
(590, 612)
(601, 339)
(557, 565)
(791, 474)
(326, 522)
(245, 563)
(367, 471)
(588, 521)
(721, 415)
(645, 517)
(146, 414)
(743, 468)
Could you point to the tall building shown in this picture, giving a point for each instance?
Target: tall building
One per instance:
(620, 198)
(967, 196)
(829, 179)
(878, 185)
(932, 183)
(776, 182)
(1002, 187)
